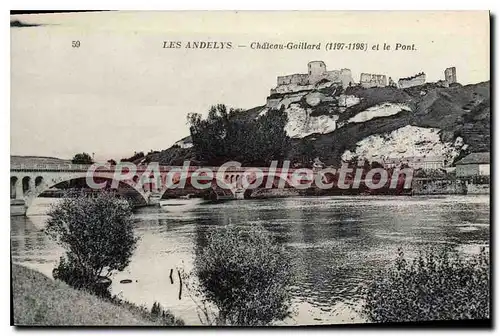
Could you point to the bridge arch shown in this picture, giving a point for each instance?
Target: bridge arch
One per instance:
(43, 182)
(234, 183)
(252, 177)
(277, 181)
(216, 181)
(13, 186)
(38, 181)
(26, 181)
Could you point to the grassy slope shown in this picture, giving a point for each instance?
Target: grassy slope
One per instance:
(39, 300)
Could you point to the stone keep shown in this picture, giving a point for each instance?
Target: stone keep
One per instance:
(450, 75)
(316, 72)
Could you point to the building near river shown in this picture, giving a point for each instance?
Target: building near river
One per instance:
(186, 142)
(417, 162)
(475, 164)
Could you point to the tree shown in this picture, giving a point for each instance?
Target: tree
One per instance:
(245, 275)
(224, 135)
(306, 152)
(82, 158)
(376, 164)
(209, 134)
(97, 234)
(136, 156)
(272, 141)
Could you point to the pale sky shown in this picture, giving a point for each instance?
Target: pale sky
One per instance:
(122, 92)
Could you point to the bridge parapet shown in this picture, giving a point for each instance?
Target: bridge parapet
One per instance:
(140, 168)
(49, 167)
(71, 167)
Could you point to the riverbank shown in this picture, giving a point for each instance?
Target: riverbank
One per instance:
(38, 300)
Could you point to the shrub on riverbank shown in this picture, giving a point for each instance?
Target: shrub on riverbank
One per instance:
(156, 315)
(245, 275)
(38, 300)
(97, 233)
(435, 286)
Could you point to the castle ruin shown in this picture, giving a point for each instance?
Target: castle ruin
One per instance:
(316, 72)
(450, 75)
(415, 80)
(367, 80)
(392, 83)
(318, 77)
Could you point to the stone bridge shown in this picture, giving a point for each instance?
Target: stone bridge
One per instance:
(28, 181)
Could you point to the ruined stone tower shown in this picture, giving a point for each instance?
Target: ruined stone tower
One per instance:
(317, 71)
(450, 75)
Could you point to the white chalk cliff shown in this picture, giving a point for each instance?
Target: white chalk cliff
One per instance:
(407, 141)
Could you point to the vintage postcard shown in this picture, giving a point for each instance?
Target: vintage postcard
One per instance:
(250, 168)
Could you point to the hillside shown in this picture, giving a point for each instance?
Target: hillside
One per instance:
(453, 113)
(429, 119)
(18, 159)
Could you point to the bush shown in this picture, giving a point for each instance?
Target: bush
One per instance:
(246, 276)
(68, 272)
(97, 233)
(164, 316)
(157, 314)
(434, 286)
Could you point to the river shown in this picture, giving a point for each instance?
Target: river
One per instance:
(337, 244)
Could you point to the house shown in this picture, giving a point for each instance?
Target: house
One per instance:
(417, 162)
(433, 162)
(475, 164)
(186, 142)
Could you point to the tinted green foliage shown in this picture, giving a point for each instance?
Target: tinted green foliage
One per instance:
(221, 137)
(97, 233)
(246, 276)
(435, 286)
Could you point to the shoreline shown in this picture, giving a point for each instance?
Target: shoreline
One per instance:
(39, 300)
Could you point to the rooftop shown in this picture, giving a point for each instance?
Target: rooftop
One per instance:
(186, 139)
(475, 158)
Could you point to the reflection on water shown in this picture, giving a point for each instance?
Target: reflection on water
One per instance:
(337, 243)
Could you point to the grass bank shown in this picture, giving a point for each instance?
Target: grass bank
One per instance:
(39, 300)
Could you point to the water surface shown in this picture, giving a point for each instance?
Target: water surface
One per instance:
(337, 244)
